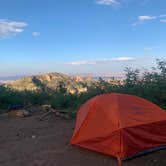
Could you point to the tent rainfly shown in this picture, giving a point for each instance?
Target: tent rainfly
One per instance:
(120, 125)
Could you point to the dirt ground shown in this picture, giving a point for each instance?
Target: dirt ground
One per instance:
(29, 142)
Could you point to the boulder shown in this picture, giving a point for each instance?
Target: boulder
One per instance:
(19, 113)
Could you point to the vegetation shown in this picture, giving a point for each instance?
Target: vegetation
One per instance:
(150, 85)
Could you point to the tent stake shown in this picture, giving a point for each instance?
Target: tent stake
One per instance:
(119, 161)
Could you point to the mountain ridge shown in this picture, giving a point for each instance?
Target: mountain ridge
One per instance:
(50, 81)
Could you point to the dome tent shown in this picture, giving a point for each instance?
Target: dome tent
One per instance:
(120, 125)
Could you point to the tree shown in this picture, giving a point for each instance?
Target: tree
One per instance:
(132, 76)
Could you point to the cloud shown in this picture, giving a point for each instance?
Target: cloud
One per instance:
(101, 61)
(83, 62)
(142, 19)
(151, 48)
(10, 28)
(122, 59)
(119, 2)
(164, 20)
(146, 18)
(108, 2)
(163, 15)
(35, 34)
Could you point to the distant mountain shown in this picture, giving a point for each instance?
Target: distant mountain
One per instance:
(4, 79)
(51, 81)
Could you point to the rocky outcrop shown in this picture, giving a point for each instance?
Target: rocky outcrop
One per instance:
(45, 82)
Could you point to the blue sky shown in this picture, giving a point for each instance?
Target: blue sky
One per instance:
(80, 36)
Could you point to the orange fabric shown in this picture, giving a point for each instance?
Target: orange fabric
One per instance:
(119, 125)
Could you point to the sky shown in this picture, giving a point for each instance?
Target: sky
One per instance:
(80, 36)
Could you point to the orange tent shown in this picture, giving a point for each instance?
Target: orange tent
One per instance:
(120, 125)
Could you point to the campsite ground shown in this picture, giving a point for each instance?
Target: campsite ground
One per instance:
(29, 142)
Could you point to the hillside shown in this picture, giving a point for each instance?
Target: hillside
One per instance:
(46, 82)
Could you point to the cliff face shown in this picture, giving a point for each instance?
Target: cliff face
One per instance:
(52, 81)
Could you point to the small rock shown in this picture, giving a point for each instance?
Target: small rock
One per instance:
(154, 160)
(46, 107)
(65, 116)
(26, 113)
(57, 113)
(19, 113)
(33, 136)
